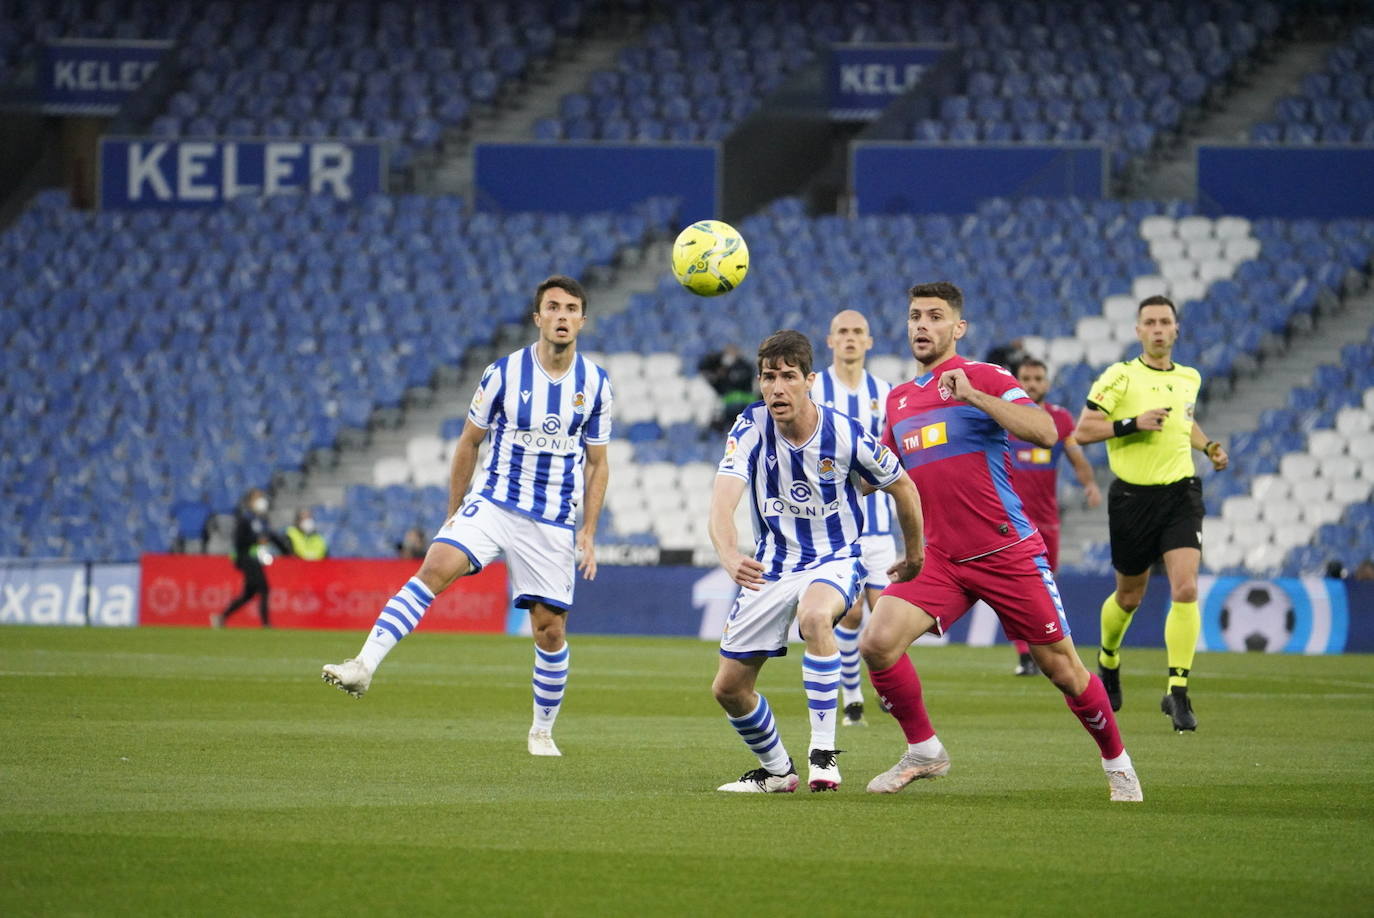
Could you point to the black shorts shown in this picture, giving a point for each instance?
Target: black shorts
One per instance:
(1145, 521)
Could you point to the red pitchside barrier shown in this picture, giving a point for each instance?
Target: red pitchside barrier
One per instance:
(347, 594)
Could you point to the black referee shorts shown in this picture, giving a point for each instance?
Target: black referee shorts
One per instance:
(1145, 521)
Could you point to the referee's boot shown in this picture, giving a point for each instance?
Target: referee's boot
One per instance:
(1179, 709)
(1111, 681)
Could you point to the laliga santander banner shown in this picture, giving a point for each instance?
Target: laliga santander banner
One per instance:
(347, 594)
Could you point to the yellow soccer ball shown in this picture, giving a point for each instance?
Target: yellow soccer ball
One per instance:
(710, 258)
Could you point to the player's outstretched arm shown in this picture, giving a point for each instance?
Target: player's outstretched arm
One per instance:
(464, 464)
(1084, 470)
(907, 502)
(596, 473)
(725, 495)
(1210, 448)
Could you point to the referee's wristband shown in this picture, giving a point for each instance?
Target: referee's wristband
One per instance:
(1124, 427)
(1207, 450)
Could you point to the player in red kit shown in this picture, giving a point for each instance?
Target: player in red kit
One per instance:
(949, 428)
(1035, 476)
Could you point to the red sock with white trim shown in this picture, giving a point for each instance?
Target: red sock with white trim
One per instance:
(1095, 712)
(899, 692)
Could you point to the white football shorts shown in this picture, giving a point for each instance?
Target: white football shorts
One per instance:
(539, 556)
(759, 620)
(880, 553)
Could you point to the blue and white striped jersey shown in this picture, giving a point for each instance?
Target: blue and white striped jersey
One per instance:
(539, 431)
(868, 406)
(806, 507)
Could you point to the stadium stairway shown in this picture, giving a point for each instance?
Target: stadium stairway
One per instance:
(1173, 173)
(513, 121)
(1240, 409)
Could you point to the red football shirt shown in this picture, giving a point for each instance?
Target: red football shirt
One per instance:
(959, 459)
(1035, 471)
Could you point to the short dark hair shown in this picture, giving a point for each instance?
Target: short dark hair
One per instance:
(786, 346)
(560, 280)
(1157, 300)
(1032, 362)
(940, 290)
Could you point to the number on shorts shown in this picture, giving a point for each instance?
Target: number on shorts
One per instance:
(471, 509)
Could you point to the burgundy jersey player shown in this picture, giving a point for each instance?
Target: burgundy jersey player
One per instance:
(949, 428)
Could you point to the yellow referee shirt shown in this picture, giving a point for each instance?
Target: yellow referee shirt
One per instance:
(1129, 389)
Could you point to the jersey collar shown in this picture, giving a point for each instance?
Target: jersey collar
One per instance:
(949, 363)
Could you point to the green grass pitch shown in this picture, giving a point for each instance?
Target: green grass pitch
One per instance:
(178, 772)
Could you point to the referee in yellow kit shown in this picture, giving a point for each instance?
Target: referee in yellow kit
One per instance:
(1143, 408)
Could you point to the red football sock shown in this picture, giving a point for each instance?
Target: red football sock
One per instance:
(1095, 711)
(1021, 647)
(899, 691)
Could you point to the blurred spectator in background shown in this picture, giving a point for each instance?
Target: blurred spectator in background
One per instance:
(732, 376)
(1008, 355)
(1364, 570)
(1335, 570)
(413, 544)
(306, 541)
(253, 538)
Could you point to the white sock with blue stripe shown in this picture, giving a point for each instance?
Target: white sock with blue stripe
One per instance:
(550, 678)
(398, 618)
(760, 734)
(821, 679)
(851, 685)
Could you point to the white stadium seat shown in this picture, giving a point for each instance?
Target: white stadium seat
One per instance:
(1320, 512)
(1361, 445)
(1231, 228)
(662, 366)
(1338, 465)
(424, 448)
(1351, 490)
(887, 367)
(659, 476)
(1280, 512)
(1034, 345)
(1148, 285)
(1248, 537)
(1240, 509)
(1102, 353)
(1194, 228)
(1352, 421)
(1298, 467)
(1218, 556)
(630, 523)
(1215, 270)
(1065, 351)
(1156, 227)
(1270, 487)
(1326, 442)
(1368, 400)
(623, 366)
(390, 470)
(1167, 248)
(1119, 309)
(1178, 269)
(1292, 535)
(1264, 559)
(619, 452)
(431, 472)
(1241, 249)
(1308, 490)
(1183, 291)
(697, 477)
(1216, 530)
(1207, 249)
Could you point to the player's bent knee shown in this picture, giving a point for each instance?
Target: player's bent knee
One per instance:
(1185, 592)
(443, 564)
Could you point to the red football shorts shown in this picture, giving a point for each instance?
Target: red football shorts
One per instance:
(1015, 582)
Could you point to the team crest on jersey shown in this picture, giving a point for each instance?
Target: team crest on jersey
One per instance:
(873, 406)
(944, 393)
(579, 403)
(826, 471)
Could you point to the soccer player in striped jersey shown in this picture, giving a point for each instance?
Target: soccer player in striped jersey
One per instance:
(548, 410)
(1035, 476)
(851, 390)
(802, 465)
(949, 428)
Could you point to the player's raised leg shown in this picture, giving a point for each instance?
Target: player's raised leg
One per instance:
(752, 718)
(820, 604)
(551, 660)
(891, 629)
(443, 564)
(1181, 628)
